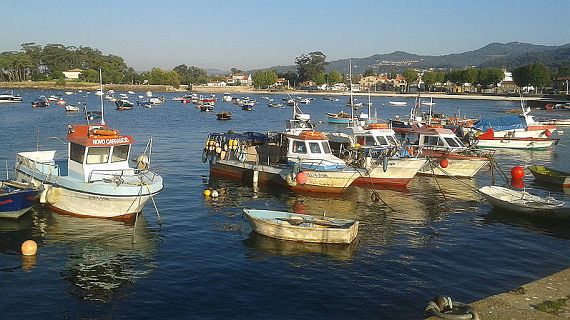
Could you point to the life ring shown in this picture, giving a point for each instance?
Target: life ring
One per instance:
(105, 132)
(377, 126)
(312, 134)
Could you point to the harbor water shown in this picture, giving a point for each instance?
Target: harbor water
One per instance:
(204, 262)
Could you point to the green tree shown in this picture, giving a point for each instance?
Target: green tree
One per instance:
(536, 74)
(189, 75)
(310, 65)
(89, 75)
(264, 78)
(410, 75)
(320, 78)
(470, 75)
(368, 72)
(334, 77)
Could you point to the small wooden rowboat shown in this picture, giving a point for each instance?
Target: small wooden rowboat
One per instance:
(551, 176)
(519, 201)
(226, 115)
(300, 227)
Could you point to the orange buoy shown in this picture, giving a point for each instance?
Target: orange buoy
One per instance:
(517, 183)
(444, 163)
(301, 178)
(517, 172)
(29, 248)
(547, 133)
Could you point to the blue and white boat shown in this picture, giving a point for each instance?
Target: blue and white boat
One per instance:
(16, 198)
(94, 178)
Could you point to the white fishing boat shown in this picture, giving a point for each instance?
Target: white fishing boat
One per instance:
(97, 180)
(227, 97)
(397, 103)
(71, 108)
(510, 141)
(300, 227)
(10, 97)
(519, 201)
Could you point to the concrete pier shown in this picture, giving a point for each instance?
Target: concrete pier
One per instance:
(543, 299)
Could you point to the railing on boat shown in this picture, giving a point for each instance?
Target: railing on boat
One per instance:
(117, 175)
(44, 168)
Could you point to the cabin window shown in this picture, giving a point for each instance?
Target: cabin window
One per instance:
(98, 155)
(76, 152)
(120, 153)
(299, 147)
(392, 141)
(314, 147)
(382, 141)
(452, 143)
(326, 147)
(433, 141)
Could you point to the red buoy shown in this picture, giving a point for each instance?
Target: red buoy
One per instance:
(517, 172)
(547, 133)
(444, 163)
(301, 178)
(517, 183)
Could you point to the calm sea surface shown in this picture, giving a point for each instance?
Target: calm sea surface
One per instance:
(204, 261)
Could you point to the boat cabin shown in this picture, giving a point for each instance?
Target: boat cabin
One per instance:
(374, 135)
(312, 150)
(97, 151)
(433, 138)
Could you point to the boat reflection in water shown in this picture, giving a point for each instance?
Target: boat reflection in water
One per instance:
(105, 256)
(262, 246)
(558, 228)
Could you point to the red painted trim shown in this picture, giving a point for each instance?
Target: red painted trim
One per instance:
(129, 217)
(367, 181)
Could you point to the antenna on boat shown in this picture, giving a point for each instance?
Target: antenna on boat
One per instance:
(101, 97)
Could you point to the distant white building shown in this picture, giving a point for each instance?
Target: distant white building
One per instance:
(239, 80)
(72, 74)
(216, 84)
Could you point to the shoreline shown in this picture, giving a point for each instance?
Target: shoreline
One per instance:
(50, 85)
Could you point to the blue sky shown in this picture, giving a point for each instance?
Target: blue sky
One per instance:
(257, 34)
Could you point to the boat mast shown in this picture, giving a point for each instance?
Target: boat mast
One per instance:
(101, 97)
(350, 82)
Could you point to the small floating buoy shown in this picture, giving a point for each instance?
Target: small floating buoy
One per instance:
(517, 172)
(207, 193)
(215, 194)
(547, 133)
(301, 178)
(444, 163)
(29, 248)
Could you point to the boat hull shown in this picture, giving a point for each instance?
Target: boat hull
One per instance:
(550, 176)
(245, 171)
(321, 181)
(523, 143)
(519, 201)
(75, 203)
(456, 167)
(283, 230)
(15, 204)
(398, 173)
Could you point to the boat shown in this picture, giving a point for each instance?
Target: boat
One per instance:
(227, 97)
(429, 103)
(397, 103)
(10, 97)
(16, 198)
(71, 108)
(156, 100)
(247, 106)
(60, 102)
(92, 115)
(206, 107)
(298, 158)
(68, 93)
(94, 178)
(340, 118)
(301, 227)
(123, 104)
(511, 141)
(305, 101)
(40, 102)
(550, 176)
(439, 143)
(274, 105)
(519, 201)
(226, 115)
(513, 127)
(374, 149)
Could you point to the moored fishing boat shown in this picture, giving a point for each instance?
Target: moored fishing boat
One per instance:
(397, 103)
(16, 198)
(519, 201)
(40, 102)
(97, 180)
(10, 97)
(226, 115)
(510, 141)
(300, 227)
(448, 155)
(340, 118)
(123, 104)
(551, 176)
(374, 149)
